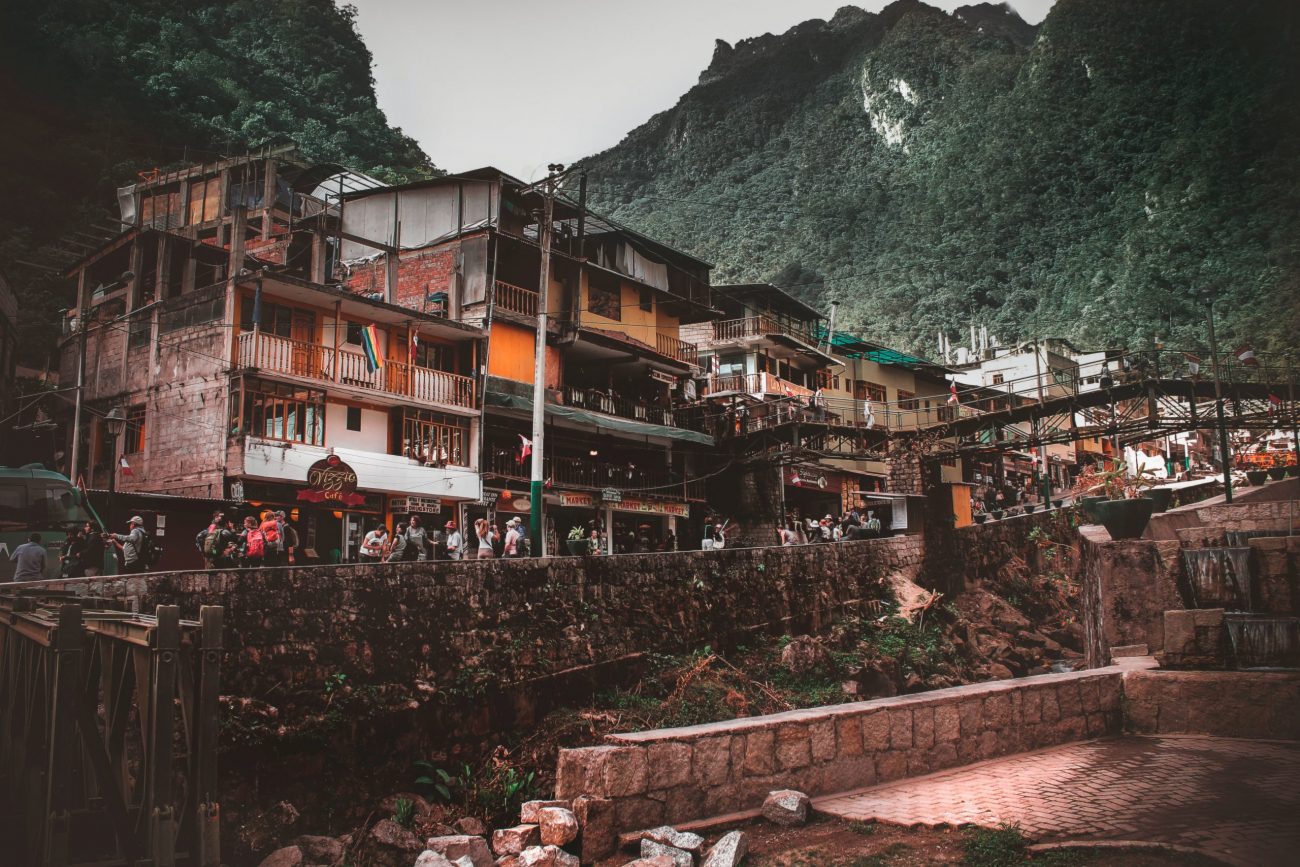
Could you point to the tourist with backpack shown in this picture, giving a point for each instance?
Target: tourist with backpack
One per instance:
(208, 541)
(135, 547)
(272, 540)
(288, 539)
(252, 547)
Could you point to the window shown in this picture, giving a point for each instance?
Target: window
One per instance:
(353, 333)
(732, 365)
(133, 434)
(283, 412)
(647, 300)
(139, 329)
(603, 295)
(13, 503)
(997, 379)
(433, 437)
(354, 418)
(278, 319)
(864, 390)
(907, 400)
(435, 356)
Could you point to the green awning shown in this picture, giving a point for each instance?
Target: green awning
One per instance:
(599, 421)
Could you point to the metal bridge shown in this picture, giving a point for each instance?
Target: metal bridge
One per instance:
(108, 733)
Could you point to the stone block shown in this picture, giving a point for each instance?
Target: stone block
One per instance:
(546, 856)
(289, 856)
(1069, 699)
(456, 846)
(793, 747)
(1051, 710)
(971, 714)
(638, 812)
(512, 841)
(844, 774)
(947, 723)
(669, 836)
(653, 861)
(581, 771)
(528, 809)
(943, 755)
(598, 836)
(875, 731)
(626, 773)
(1031, 707)
(760, 752)
(786, 807)
(891, 765)
(900, 728)
(669, 764)
(711, 760)
(923, 728)
(729, 851)
(848, 736)
(678, 858)
(997, 711)
(558, 826)
(821, 736)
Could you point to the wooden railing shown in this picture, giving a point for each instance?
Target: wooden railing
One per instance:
(576, 472)
(610, 404)
(756, 326)
(757, 384)
(325, 364)
(516, 299)
(685, 352)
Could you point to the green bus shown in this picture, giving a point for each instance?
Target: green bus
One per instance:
(36, 500)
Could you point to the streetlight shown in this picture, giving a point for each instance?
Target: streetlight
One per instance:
(115, 421)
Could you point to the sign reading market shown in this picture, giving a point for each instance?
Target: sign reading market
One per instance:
(331, 480)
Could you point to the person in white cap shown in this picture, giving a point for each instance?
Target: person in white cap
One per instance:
(133, 546)
(514, 537)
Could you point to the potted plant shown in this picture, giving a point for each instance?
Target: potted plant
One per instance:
(1058, 503)
(1122, 510)
(980, 517)
(577, 542)
(1162, 497)
(1029, 508)
(1293, 470)
(1277, 473)
(997, 514)
(1257, 477)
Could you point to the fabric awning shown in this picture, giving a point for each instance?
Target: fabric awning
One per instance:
(600, 421)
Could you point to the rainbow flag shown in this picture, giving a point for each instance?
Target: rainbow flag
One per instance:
(370, 346)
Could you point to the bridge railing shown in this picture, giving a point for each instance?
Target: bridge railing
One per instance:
(108, 733)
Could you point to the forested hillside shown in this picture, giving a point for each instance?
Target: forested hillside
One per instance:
(1086, 178)
(92, 91)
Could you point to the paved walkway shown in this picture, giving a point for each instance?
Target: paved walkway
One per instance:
(1236, 800)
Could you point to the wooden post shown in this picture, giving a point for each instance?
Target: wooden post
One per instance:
(338, 323)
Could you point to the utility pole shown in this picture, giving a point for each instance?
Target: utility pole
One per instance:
(1225, 454)
(1044, 481)
(83, 326)
(537, 477)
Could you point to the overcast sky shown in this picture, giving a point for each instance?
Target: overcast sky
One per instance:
(521, 83)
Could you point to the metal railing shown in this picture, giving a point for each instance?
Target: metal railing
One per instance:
(109, 734)
(516, 299)
(325, 364)
(631, 480)
(610, 404)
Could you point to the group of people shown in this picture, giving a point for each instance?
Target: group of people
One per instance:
(267, 539)
(411, 541)
(854, 524)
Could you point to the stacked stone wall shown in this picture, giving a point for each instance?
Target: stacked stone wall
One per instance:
(1233, 704)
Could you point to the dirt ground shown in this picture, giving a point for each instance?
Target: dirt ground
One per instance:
(833, 843)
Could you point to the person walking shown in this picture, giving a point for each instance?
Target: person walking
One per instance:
(789, 537)
(288, 536)
(133, 546)
(92, 552)
(209, 540)
(226, 546)
(252, 544)
(455, 542)
(483, 531)
(372, 547)
(397, 545)
(417, 540)
(31, 559)
(514, 539)
(272, 540)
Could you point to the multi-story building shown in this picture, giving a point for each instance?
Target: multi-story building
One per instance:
(624, 442)
(8, 347)
(249, 379)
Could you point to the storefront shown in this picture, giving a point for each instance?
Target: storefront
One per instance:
(812, 492)
(626, 526)
(330, 529)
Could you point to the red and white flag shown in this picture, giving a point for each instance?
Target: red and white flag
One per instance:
(126, 468)
(1246, 355)
(952, 393)
(525, 448)
(1274, 402)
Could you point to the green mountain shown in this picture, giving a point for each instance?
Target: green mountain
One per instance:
(92, 91)
(1088, 177)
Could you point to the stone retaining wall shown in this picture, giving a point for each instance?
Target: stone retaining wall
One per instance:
(1127, 586)
(1235, 704)
(675, 775)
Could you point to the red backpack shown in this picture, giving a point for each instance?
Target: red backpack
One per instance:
(256, 543)
(271, 531)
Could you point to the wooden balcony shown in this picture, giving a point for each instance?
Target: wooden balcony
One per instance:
(326, 365)
(757, 384)
(749, 327)
(516, 299)
(688, 353)
(576, 472)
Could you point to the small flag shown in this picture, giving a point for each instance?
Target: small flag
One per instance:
(126, 468)
(952, 393)
(1274, 402)
(1246, 355)
(1193, 363)
(370, 347)
(525, 448)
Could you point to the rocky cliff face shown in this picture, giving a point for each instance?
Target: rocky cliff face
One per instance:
(929, 170)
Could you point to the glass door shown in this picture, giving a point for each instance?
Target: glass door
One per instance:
(353, 533)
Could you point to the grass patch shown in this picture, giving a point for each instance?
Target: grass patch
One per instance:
(1003, 846)
(866, 829)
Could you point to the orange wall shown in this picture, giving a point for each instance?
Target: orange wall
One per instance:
(512, 352)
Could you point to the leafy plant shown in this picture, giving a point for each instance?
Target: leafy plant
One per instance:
(404, 812)
(1003, 846)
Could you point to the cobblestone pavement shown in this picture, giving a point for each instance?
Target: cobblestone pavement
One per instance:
(1235, 800)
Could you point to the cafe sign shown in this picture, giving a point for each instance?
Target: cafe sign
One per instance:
(330, 480)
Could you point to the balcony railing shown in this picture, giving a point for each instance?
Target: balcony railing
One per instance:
(731, 330)
(609, 404)
(516, 299)
(757, 384)
(572, 472)
(325, 364)
(685, 352)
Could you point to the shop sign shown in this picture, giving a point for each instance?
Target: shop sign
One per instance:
(415, 505)
(612, 495)
(660, 376)
(521, 504)
(807, 479)
(331, 480)
(581, 500)
(651, 507)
